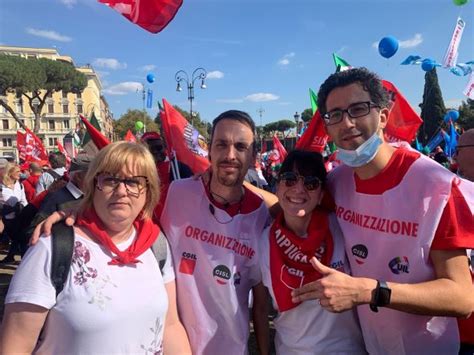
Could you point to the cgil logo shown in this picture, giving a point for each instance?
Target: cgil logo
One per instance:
(222, 274)
(399, 265)
(187, 263)
(360, 252)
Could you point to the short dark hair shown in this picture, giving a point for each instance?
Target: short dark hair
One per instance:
(306, 163)
(236, 115)
(57, 160)
(369, 81)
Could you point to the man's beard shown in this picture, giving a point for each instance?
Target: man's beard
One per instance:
(230, 180)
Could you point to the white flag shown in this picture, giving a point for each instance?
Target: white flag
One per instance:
(469, 90)
(451, 56)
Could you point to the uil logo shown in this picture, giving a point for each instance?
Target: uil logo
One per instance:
(195, 142)
(399, 265)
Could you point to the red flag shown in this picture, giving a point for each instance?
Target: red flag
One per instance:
(264, 146)
(182, 138)
(280, 149)
(403, 121)
(98, 138)
(63, 152)
(30, 147)
(129, 137)
(152, 15)
(314, 137)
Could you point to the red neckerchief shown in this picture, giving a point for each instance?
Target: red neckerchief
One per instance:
(147, 232)
(289, 256)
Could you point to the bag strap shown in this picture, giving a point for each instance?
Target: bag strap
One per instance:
(159, 249)
(62, 243)
(54, 174)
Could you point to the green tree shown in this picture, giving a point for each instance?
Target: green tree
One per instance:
(278, 126)
(307, 115)
(466, 115)
(127, 122)
(35, 80)
(432, 108)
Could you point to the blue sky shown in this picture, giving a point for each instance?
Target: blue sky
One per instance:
(260, 53)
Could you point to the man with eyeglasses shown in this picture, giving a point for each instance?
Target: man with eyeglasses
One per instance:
(407, 223)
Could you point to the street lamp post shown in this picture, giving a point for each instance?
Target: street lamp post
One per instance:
(297, 120)
(182, 76)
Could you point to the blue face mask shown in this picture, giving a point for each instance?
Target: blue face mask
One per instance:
(23, 176)
(363, 154)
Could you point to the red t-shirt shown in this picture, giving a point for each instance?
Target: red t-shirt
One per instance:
(456, 226)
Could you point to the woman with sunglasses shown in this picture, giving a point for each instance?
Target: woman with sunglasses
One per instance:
(116, 300)
(303, 230)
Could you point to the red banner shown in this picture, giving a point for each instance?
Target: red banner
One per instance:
(403, 121)
(182, 138)
(98, 138)
(314, 137)
(30, 147)
(129, 137)
(152, 15)
(279, 149)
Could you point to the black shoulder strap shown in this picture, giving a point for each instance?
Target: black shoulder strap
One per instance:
(62, 243)
(54, 174)
(159, 249)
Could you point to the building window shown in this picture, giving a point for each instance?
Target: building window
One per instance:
(19, 107)
(65, 108)
(52, 142)
(79, 95)
(79, 108)
(66, 124)
(5, 124)
(51, 125)
(7, 142)
(64, 95)
(51, 108)
(50, 94)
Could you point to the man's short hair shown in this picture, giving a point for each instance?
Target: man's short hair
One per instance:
(240, 116)
(35, 168)
(369, 81)
(57, 160)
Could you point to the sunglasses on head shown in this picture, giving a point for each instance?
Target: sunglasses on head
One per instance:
(291, 178)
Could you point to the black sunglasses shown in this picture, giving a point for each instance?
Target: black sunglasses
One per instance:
(291, 178)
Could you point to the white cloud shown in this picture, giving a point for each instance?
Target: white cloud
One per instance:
(148, 67)
(123, 88)
(285, 60)
(69, 3)
(261, 97)
(415, 41)
(109, 63)
(230, 101)
(48, 34)
(215, 74)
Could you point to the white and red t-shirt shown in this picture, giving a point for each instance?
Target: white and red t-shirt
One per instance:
(308, 328)
(214, 251)
(390, 223)
(103, 309)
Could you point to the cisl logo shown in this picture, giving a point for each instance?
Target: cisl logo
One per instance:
(221, 274)
(399, 265)
(187, 263)
(360, 253)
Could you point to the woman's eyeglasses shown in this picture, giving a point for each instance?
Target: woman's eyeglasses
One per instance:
(290, 179)
(134, 185)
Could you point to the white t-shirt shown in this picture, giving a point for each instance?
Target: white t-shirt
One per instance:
(11, 197)
(308, 328)
(103, 309)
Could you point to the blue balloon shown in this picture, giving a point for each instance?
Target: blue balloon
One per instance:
(428, 64)
(454, 115)
(388, 46)
(150, 78)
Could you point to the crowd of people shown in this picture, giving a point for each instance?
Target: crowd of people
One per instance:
(371, 257)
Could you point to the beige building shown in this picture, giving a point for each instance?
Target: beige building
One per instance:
(60, 114)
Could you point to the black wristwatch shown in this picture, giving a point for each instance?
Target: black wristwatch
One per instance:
(381, 296)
